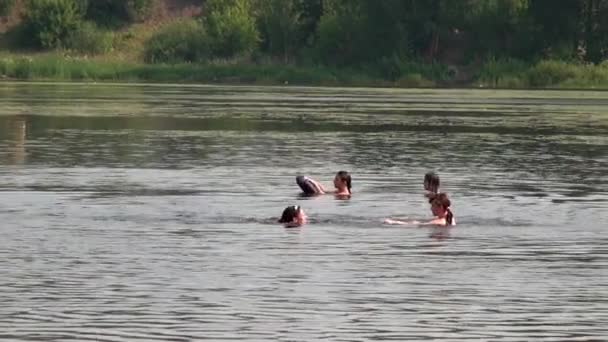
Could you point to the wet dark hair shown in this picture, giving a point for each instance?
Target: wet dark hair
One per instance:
(432, 179)
(290, 213)
(345, 177)
(442, 200)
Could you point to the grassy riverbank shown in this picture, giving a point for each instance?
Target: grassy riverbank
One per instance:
(56, 67)
(495, 74)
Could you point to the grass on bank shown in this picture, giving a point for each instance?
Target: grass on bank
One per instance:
(544, 74)
(494, 74)
(59, 67)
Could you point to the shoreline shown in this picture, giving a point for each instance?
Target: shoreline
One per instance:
(59, 68)
(42, 81)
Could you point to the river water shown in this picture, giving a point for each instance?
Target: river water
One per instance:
(146, 212)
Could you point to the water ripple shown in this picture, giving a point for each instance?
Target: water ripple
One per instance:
(148, 213)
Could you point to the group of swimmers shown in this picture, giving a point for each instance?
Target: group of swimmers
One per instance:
(294, 215)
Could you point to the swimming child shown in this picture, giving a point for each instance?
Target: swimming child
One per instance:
(342, 184)
(293, 216)
(440, 207)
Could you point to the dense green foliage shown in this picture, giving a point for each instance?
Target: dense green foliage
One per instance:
(366, 30)
(280, 25)
(510, 43)
(181, 41)
(230, 27)
(89, 39)
(6, 6)
(69, 24)
(227, 31)
(51, 22)
(360, 32)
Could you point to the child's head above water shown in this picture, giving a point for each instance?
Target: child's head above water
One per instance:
(343, 180)
(293, 216)
(431, 182)
(440, 206)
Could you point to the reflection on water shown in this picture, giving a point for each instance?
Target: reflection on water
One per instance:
(15, 130)
(148, 213)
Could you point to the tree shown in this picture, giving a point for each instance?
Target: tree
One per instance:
(361, 31)
(231, 27)
(499, 28)
(52, 21)
(596, 30)
(6, 6)
(280, 27)
(556, 32)
(310, 12)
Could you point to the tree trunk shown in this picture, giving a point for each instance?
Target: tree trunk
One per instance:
(593, 53)
(435, 17)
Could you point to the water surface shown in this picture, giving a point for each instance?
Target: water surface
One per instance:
(145, 212)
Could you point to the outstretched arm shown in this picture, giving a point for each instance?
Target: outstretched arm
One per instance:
(398, 222)
(319, 186)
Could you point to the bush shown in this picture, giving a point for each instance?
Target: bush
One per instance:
(361, 32)
(6, 7)
(231, 28)
(181, 41)
(569, 75)
(390, 68)
(280, 26)
(340, 38)
(7, 66)
(549, 73)
(89, 39)
(402, 69)
(52, 21)
(587, 75)
(414, 81)
(502, 72)
(23, 68)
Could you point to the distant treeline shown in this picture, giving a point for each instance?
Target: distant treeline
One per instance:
(391, 37)
(340, 31)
